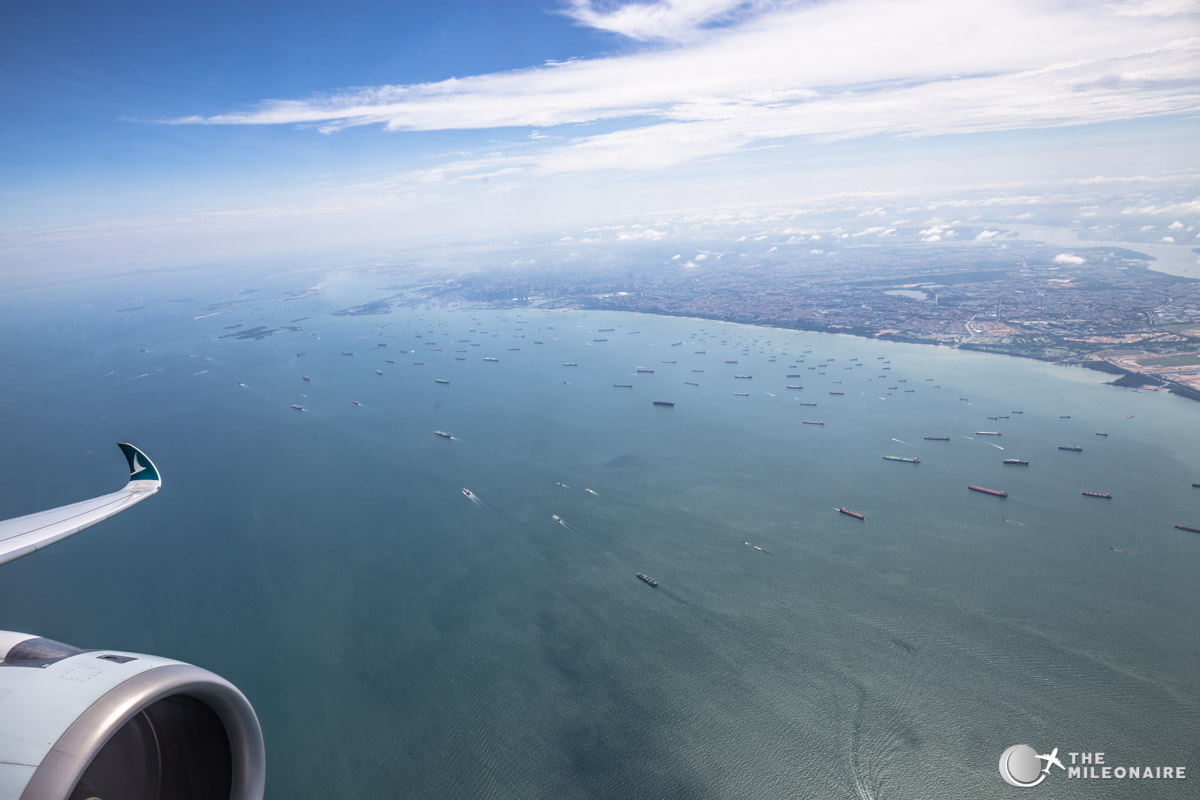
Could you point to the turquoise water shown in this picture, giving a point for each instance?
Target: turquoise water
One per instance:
(401, 640)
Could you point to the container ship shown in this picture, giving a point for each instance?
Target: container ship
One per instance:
(905, 459)
(1018, 461)
(1074, 448)
(1105, 495)
(937, 438)
(995, 492)
(646, 579)
(850, 513)
(667, 403)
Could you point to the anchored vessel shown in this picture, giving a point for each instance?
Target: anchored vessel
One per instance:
(642, 369)
(814, 422)
(937, 438)
(906, 459)
(1105, 495)
(987, 433)
(1186, 528)
(1019, 461)
(668, 403)
(440, 380)
(622, 385)
(647, 580)
(850, 513)
(1074, 448)
(995, 492)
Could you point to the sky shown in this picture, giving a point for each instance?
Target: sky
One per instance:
(147, 134)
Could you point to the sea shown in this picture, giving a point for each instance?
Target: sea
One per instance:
(401, 639)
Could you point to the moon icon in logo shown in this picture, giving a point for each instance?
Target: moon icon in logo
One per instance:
(1020, 766)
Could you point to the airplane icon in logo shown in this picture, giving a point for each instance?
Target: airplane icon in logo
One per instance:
(1051, 760)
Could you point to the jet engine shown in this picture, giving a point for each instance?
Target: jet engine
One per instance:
(101, 724)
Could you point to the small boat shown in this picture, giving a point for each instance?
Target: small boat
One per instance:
(850, 513)
(468, 493)
(389, 361)
(306, 377)
(301, 353)
(347, 354)
(298, 408)
(355, 403)
(378, 372)
(442, 434)
(1105, 495)
(556, 517)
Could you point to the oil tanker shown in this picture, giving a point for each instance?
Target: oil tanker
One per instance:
(995, 492)
(906, 459)
(850, 513)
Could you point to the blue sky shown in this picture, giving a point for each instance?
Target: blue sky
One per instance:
(146, 134)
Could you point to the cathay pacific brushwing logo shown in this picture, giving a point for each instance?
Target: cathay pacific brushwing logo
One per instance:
(136, 466)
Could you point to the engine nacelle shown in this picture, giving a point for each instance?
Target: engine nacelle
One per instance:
(79, 725)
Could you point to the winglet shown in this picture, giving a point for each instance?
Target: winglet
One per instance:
(143, 475)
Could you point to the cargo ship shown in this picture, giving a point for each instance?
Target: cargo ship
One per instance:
(1102, 434)
(298, 408)
(995, 492)
(670, 362)
(440, 380)
(987, 433)
(643, 369)
(1018, 461)
(795, 375)
(487, 358)
(1105, 495)
(905, 459)
(599, 340)
(378, 372)
(741, 394)
(622, 385)
(690, 383)
(570, 363)
(837, 393)
(442, 434)
(1196, 485)
(744, 377)
(937, 438)
(646, 579)
(667, 403)
(850, 513)
(814, 422)
(794, 386)
(1074, 448)
(1186, 528)
(730, 362)
(806, 404)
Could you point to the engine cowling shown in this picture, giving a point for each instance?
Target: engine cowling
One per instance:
(99, 724)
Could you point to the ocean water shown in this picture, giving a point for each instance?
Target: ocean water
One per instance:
(399, 639)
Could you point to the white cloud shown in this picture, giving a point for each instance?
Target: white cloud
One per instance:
(665, 19)
(649, 234)
(1175, 226)
(816, 252)
(1067, 258)
(1169, 239)
(984, 235)
(795, 70)
(676, 257)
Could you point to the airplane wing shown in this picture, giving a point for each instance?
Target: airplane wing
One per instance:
(24, 535)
